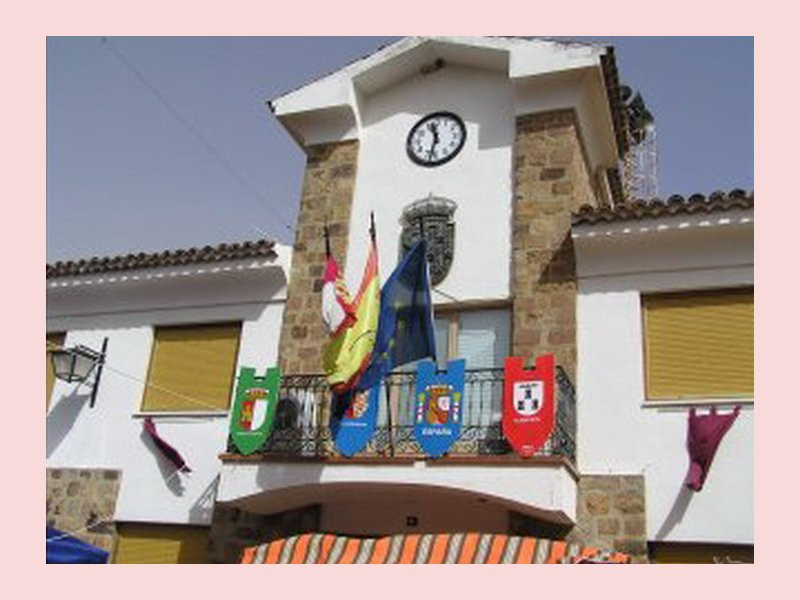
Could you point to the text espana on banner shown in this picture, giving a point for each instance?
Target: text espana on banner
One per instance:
(439, 406)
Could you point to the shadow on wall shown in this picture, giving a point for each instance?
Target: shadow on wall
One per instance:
(62, 417)
(202, 510)
(168, 470)
(676, 513)
(309, 475)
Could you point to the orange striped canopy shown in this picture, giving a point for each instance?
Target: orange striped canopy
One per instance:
(432, 548)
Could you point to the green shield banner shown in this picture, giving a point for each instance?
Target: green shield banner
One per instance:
(253, 414)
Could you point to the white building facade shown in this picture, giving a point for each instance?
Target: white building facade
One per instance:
(521, 270)
(701, 248)
(106, 478)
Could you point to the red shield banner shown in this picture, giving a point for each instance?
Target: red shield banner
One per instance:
(529, 405)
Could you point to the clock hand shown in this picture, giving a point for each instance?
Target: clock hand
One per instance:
(435, 131)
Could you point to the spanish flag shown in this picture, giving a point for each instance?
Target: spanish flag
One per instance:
(348, 353)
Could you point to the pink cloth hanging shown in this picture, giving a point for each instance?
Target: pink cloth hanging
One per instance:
(703, 438)
(166, 449)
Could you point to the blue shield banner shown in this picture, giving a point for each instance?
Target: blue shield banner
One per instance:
(439, 405)
(353, 418)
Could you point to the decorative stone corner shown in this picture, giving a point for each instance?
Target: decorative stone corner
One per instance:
(611, 514)
(82, 502)
(326, 197)
(551, 180)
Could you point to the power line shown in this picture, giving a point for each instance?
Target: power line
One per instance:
(196, 133)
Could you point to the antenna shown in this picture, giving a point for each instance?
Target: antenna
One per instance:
(640, 166)
(640, 163)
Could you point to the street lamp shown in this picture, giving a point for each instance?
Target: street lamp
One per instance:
(77, 363)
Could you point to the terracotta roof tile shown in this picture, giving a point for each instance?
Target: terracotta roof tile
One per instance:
(167, 258)
(674, 205)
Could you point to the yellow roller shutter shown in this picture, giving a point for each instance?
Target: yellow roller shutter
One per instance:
(699, 345)
(53, 340)
(161, 544)
(192, 368)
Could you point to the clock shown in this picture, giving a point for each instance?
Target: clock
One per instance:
(436, 138)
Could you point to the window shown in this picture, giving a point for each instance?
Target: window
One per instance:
(54, 341)
(483, 338)
(192, 368)
(699, 345)
(161, 544)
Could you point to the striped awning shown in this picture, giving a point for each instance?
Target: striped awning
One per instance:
(441, 548)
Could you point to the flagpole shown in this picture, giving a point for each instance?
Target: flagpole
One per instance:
(389, 416)
(327, 241)
(385, 380)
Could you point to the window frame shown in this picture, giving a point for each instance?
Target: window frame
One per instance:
(696, 399)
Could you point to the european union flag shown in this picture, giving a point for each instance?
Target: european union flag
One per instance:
(405, 324)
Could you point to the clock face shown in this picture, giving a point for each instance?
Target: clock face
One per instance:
(436, 139)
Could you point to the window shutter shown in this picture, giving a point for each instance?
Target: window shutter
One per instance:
(192, 368)
(484, 341)
(699, 344)
(441, 334)
(483, 338)
(161, 544)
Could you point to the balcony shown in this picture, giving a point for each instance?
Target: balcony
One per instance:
(302, 432)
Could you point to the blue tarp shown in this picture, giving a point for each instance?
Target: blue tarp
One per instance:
(63, 548)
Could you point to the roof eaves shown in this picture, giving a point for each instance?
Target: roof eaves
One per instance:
(675, 205)
(188, 256)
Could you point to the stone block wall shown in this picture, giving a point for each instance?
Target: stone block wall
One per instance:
(611, 514)
(551, 180)
(326, 196)
(83, 501)
(233, 529)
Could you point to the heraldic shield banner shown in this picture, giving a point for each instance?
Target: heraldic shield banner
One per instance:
(353, 419)
(439, 405)
(253, 414)
(528, 404)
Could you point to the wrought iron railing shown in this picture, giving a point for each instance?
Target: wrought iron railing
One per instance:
(301, 423)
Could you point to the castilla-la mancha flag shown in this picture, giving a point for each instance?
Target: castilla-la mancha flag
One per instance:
(528, 404)
(352, 327)
(338, 311)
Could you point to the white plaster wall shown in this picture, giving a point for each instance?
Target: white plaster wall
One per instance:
(478, 179)
(110, 434)
(282, 486)
(616, 433)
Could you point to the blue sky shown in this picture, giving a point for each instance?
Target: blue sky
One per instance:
(178, 148)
